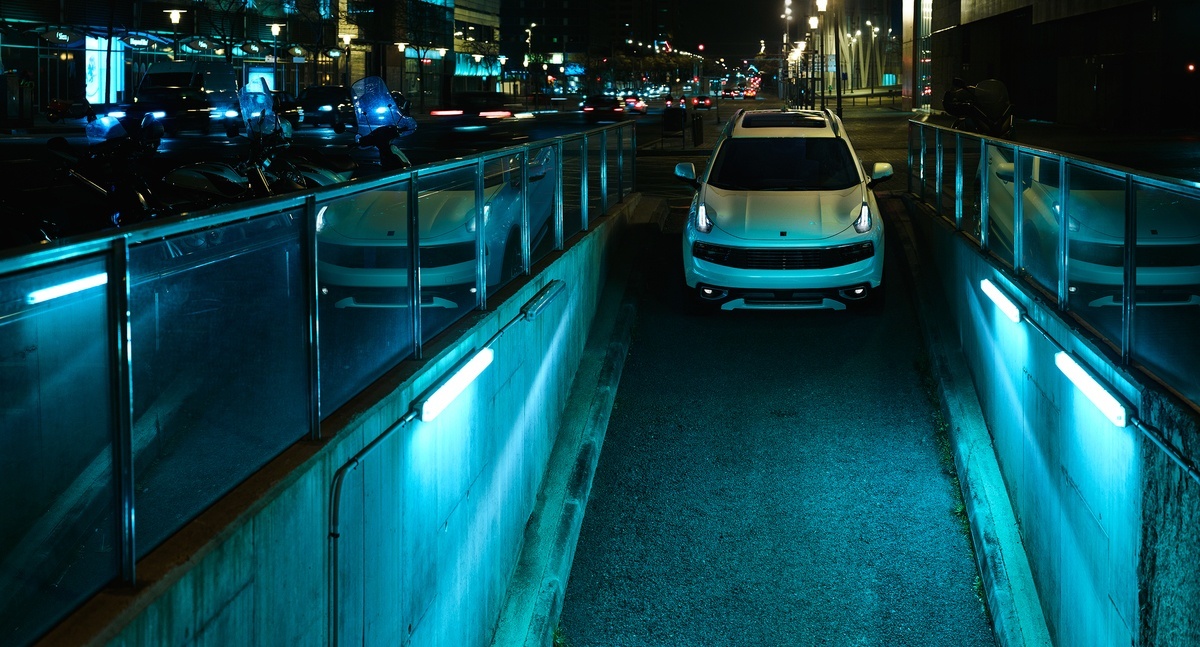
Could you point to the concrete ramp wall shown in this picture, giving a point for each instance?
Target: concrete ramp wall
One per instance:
(430, 521)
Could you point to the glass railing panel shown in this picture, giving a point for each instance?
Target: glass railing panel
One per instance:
(572, 178)
(219, 324)
(595, 149)
(543, 169)
(1041, 213)
(947, 193)
(447, 230)
(929, 189)
(915, 131)
(628, 143)
(363, 298)
(1167, 298)
(58, 498)
(613, 147)
(971, 181)
(502, 219)
(1095, 249)
(1001, 203)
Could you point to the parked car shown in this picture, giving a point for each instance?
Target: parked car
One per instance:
(1168, 238)
(327, 105)
(187, 95)
(363, 244)
(602, 107)
(783, 217)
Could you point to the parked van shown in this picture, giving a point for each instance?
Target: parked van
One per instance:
(190, 95)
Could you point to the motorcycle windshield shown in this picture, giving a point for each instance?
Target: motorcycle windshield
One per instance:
(103, 129)
(257, 110)
(374, 107)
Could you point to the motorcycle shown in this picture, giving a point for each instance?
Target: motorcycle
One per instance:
(982, 108)
(381, 123)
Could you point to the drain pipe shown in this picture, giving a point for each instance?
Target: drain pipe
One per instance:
(445, 389)
(1156, 436)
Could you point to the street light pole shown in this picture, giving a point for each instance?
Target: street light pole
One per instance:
(275, 28)
(176, 15)
(346, 42)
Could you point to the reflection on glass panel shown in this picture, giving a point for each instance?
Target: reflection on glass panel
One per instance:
(930, 179)
(595, 162)
(1168, 287)
(543, 165)
(572, 176)
(220, 380)
(971, 194)
(502, 218)
(914, 149)
(58, 507)
(628, 142)
(1000, 202)
(1041, 213)
(1095, 248)
(363, 302)
(947, 192)
(614, 173)
(447, 227)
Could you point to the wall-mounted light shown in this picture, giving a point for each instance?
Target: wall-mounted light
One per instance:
(453, 383)
(176, 14)
(346, 38)
(1106, 402)
(1002, 301)
(63, 289)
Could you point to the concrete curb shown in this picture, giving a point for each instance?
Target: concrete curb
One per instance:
(538, 585)
(1011, 596)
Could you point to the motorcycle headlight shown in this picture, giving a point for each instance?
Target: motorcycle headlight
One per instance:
(863, 224)
(702, 216)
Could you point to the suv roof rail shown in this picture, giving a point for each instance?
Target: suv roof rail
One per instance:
(832, 121)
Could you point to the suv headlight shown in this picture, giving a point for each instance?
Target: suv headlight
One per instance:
(702, 216)
(863, 224)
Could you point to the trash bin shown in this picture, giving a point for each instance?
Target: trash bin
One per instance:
(697, 130)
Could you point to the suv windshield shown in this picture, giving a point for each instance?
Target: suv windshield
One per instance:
(783, 164)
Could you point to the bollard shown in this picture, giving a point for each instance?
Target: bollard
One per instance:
(697, 130)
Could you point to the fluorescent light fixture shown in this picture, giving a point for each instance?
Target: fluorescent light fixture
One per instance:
(456, 380)
(63, 289)
(1106, 402)
(1001, 300)
(534, 307)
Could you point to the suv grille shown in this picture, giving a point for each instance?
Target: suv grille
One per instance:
(797, 258)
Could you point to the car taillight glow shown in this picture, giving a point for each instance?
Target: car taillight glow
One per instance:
(445, 113)
(495, 114)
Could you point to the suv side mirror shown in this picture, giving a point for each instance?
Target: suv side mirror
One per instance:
(686, 171)
(879, 173)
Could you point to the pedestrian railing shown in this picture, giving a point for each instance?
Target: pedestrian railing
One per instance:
(1116, 249)
(152, 369)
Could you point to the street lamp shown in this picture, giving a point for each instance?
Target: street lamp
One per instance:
(346, 38)
(529, 53)
(403, 47)
(176, 15)
(275, 29)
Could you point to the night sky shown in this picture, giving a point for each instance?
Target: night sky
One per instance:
(733, 29)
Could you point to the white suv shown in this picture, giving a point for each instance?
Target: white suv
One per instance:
(783, 216)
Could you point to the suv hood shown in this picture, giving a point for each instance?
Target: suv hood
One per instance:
(796, 215)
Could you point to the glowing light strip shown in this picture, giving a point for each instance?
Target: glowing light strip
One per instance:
(1001, 300)
(460, 377)
(63, 289)
(1108, 404)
